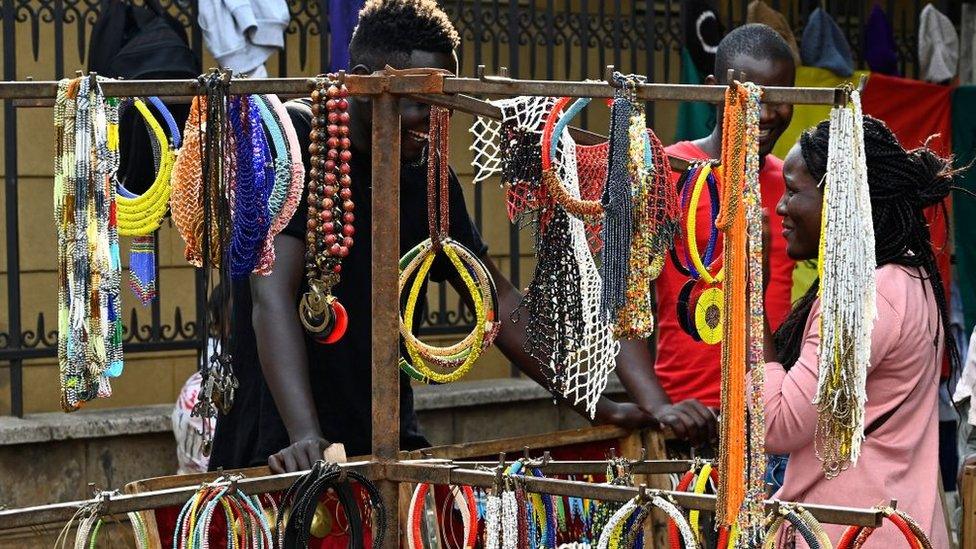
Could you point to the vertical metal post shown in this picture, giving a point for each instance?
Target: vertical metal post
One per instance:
(10, 209)
(514, 244)
(385, 314)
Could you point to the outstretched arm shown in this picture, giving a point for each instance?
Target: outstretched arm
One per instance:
(510, 342)
(284, 361)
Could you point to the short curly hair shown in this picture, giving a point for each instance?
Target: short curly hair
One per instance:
(389, 28)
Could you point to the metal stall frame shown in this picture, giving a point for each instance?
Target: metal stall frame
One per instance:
(385, 87)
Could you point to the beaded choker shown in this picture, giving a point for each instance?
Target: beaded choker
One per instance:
(140, 216)
(330, 211)
(430, 364)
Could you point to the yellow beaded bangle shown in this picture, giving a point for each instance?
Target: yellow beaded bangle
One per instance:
(692, 236)
(407, 319)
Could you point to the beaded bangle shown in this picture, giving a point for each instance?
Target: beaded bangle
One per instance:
(691, 236)
(464, 499)
(804, 523)
(612, 530)
(856, 536)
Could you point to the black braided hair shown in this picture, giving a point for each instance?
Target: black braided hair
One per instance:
(901, 185)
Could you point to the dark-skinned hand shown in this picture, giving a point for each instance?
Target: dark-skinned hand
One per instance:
(626, 415)
(689, 420)
(298, 456)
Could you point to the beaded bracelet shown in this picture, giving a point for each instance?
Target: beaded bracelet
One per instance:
(463, 498)
(855, 536)
(803, 522)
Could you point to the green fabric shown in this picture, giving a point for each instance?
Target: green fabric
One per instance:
(695, 120)
(963, 204)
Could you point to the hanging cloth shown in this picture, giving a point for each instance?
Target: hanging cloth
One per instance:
(824, 45)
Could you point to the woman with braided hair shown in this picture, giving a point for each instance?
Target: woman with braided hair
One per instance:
(899, 454)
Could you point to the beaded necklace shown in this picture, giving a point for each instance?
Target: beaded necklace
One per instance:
(847, 265)
(751, 519)
(252, 187)
(89, 266)
(330, 211)
(732, 221)
(289, 173)
(617, 232)
(140, 216)
(449, 363)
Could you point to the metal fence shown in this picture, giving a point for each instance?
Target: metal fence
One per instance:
(534, 38)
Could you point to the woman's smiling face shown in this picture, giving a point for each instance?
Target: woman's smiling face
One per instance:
(800, 208)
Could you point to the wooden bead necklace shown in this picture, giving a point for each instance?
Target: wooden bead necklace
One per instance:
(331, 210)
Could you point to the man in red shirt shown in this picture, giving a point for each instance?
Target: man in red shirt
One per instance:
(682, 389)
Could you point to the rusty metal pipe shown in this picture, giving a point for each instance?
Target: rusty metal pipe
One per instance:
(447, 474)
(385, 251)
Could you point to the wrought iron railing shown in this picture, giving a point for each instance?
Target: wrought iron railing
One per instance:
(533, 38)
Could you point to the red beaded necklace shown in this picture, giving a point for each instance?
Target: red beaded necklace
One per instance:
(330, 230)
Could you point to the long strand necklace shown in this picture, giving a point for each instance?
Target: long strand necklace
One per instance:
(753, 511)
(847, 293)
(617, 203)
(107, 151)
(731, 221)
(330, 211)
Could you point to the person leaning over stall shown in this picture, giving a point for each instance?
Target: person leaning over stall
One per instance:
(899, 457)
(296, 396)
(679, 381)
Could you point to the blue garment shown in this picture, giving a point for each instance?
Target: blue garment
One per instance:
(824, 45)
(343, 17)
(776, 470)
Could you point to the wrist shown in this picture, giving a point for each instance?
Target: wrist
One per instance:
(310, 433)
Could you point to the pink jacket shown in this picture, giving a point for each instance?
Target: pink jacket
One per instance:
(899, 460)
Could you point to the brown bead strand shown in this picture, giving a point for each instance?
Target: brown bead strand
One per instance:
(330, 205)
(438, 211)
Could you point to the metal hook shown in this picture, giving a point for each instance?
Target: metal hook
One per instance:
(861, 83)
(226, 76)
(341, 78)
(642, 493)
(502, 75)
(893, 504)
(609, 74)
(546, 458)
(776, 507)
(525, 453)
(92, 80)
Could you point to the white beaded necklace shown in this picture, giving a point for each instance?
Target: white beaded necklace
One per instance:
(847, 292)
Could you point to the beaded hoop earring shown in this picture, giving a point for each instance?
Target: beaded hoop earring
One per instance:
(330, 211)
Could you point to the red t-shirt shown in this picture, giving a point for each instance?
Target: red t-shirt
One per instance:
(691, 369)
